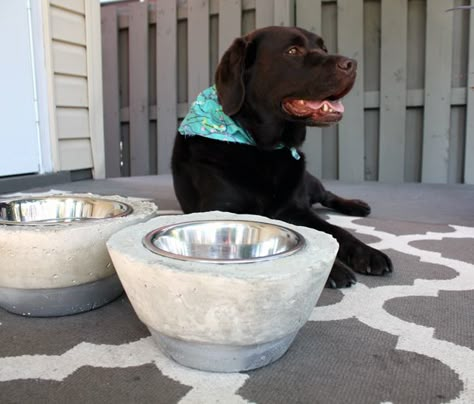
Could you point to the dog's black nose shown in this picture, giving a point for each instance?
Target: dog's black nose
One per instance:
(347, 65)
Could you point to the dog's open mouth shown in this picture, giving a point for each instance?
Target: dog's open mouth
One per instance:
(323, 112)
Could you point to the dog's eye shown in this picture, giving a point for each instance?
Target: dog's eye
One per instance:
(294, 50)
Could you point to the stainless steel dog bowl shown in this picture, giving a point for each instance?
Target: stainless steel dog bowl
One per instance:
(224, 241)
(53, 257)
(59, 209)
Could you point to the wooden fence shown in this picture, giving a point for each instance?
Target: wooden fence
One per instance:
(409, 118)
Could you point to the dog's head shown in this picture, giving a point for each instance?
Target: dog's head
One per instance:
(284, 74)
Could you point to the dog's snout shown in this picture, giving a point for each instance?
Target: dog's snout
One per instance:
(347, 65)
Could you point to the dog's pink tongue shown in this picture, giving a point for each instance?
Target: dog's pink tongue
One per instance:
(334, 105)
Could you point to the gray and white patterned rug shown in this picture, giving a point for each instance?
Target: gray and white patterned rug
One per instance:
(408, 338)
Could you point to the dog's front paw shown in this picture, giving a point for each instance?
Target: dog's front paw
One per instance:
(341, 276)
(356, 207)
(364, 259)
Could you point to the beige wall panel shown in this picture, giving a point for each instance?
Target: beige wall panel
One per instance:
(73, 5)
(67, 26)
(75, 154)
(72, 123)
(69, 59)
(70, 91)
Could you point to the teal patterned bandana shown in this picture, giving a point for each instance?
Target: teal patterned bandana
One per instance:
(206, 118)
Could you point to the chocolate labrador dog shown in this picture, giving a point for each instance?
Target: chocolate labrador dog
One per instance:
(238, 148)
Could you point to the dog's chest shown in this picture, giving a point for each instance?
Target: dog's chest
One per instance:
(262, 180)
(273, 176)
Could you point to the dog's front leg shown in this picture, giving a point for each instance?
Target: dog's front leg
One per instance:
(352, 255)
(318, 194)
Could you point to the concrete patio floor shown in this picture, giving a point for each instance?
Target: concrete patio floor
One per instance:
(426, 203)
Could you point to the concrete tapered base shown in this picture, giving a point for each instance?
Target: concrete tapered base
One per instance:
(220, 357)
(60, 301)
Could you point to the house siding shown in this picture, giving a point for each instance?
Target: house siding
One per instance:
(76, 125)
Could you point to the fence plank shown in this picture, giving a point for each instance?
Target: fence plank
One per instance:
(469, 145)
(139, 124)
(284, 12)
(350, 34)
(166, 81)
(456, 145)
(439, 27)
(264, 11)
(125, 136)
(230, 23)
(393, 91)
(371, 144)
(198, 47)
(330, 138)
(397, 153)
(308, 16)
(110, 84)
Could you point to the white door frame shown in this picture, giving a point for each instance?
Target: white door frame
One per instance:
(43, 94)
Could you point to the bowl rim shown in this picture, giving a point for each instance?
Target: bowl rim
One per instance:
(60, 221)
(148, 242)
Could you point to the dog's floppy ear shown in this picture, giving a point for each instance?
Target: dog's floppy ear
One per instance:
(230, 77)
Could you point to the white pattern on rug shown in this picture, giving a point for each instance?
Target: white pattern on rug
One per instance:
(366, 304)
(360, 302)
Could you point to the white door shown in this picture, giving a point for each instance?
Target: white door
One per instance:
(19, 147)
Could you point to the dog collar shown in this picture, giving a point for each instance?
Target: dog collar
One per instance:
(206, 118)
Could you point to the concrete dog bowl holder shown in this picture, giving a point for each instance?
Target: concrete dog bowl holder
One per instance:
(222, 298)
(53, 257)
